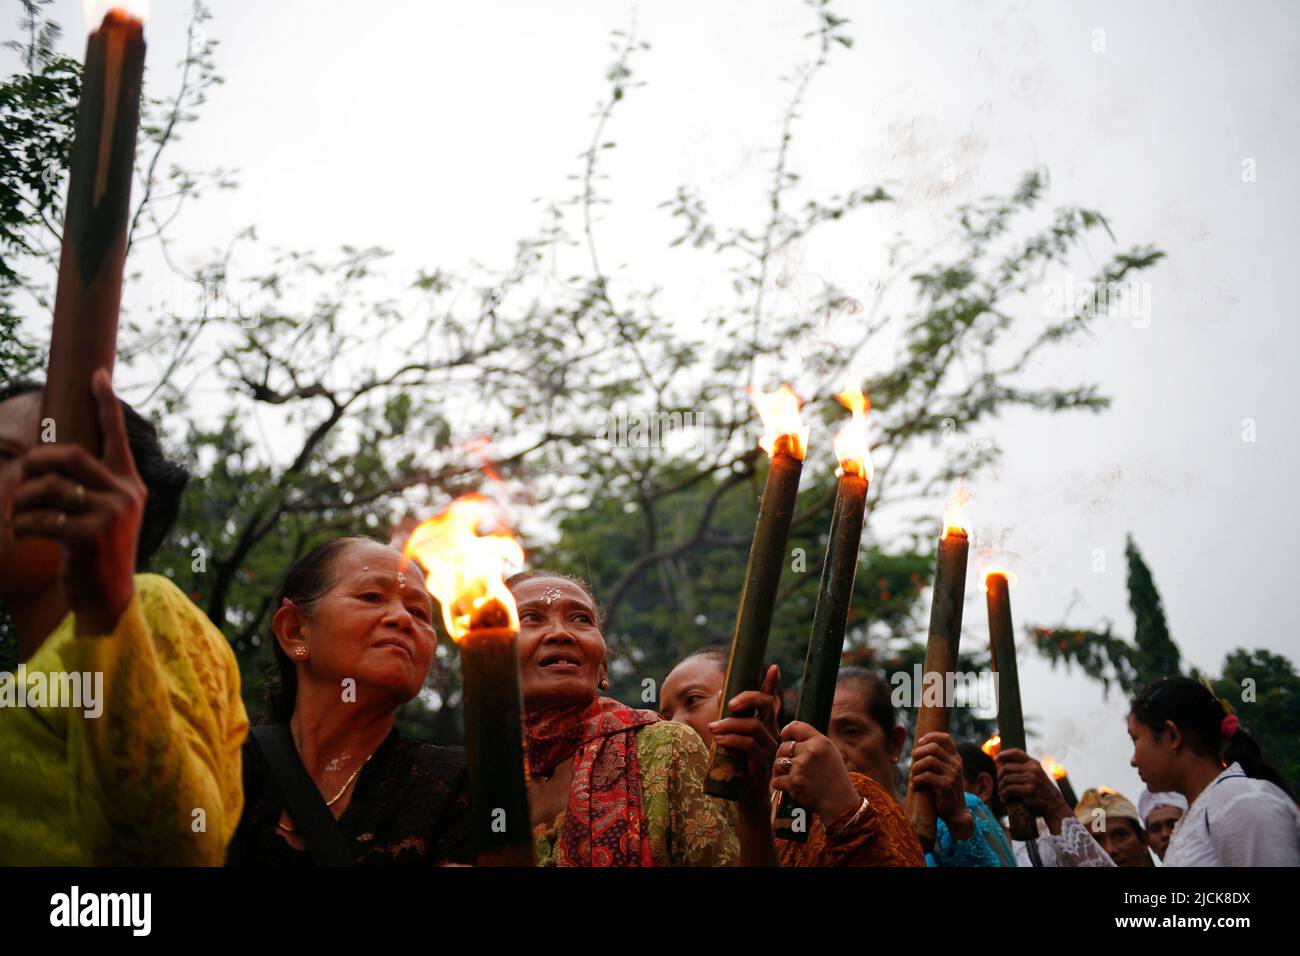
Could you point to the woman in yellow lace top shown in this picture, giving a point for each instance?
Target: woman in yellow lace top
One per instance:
(608, 785)
(120, 733)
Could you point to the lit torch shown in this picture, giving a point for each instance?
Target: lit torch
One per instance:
(785, 439)
(466, 574)
(1057, 772)
(1011, 719)
(941, 651)
(992, 746)
(826, 643)
(84, 332)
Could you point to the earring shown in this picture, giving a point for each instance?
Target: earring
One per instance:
(300, 651)
(604, 683)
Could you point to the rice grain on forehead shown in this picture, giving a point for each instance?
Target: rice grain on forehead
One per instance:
(552, 594)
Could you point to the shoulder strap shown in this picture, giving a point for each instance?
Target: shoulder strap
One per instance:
(316, 825)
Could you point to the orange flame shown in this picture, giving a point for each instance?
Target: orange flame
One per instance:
(954, 514)
(467, 569)
(1054, 770)
(850, 443)
(994, 569)
(992, 746)
(96, 10)
(780, 413)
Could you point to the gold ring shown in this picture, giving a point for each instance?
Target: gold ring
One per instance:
(78, 497)
(61, 521)
(786, 764)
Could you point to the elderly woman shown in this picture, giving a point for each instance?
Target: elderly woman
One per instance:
(608, 785)
(144, 768)
(331, 781)
(845, 779)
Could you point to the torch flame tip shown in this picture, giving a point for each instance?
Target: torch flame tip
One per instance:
(954, 514)
(779, 410)
(99, 12)
(851, 444)
(994, 571)
(1055, 770)
(466, 566)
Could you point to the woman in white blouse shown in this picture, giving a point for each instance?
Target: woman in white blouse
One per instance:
(1240, 811)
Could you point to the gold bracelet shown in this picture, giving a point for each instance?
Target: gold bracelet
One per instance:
(848, 824)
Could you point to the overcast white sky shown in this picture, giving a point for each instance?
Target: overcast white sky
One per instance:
(429, 128)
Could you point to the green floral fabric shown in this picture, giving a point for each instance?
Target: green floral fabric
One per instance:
(686, 826)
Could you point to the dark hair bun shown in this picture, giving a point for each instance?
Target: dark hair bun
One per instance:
(165, 479)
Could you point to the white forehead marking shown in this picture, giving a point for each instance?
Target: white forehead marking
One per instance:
(552, 594)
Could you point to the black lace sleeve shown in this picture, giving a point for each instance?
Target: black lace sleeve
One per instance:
(410, 808)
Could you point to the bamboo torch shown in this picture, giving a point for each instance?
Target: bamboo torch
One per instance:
(1057, 772)
(785, 439)
(826, 643)
(941, 651)
(1011, 720)
(84, 334)
(466, 574)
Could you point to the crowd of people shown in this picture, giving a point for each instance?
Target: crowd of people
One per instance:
(170, 774)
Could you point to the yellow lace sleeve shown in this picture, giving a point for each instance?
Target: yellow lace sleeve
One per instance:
(696, 830)
(156, 775)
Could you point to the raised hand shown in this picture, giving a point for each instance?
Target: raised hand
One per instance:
(755, 735)
(811, 770)
(91, 506)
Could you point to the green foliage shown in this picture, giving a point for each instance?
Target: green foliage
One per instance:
(1157, 654)
(38, 112)
(1273, 716)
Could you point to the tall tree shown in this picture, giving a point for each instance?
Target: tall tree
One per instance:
(1157, 654)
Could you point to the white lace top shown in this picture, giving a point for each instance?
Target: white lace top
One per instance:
(1237, 821)
(1073, 846)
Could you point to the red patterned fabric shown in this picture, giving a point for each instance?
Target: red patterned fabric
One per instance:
(603, 823)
